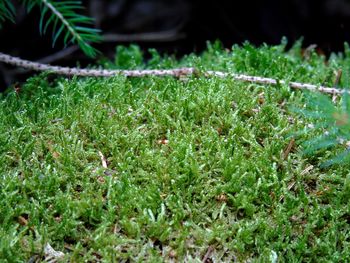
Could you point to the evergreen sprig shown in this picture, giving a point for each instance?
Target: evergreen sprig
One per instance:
(7, 11)
(64, 19)
(332, 122)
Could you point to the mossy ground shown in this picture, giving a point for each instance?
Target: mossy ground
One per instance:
(196, 168)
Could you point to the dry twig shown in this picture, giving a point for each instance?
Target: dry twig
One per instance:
(176, 72)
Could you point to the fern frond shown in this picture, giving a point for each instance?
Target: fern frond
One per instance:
(73, 27)
(7, 12)
(334, 123)
(338, 159)
(321, 142)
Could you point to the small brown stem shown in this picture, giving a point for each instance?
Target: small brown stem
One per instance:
(207, 254)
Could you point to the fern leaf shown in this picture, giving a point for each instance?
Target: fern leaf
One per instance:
(66, 23)
(338, 159)
(332, 120)
(7, 12)
(322, 142)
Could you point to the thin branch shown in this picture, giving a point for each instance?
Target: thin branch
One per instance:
(270, 81)
(92, 72)
(176, 72)
(48, 59)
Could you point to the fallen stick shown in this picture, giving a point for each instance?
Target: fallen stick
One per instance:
(176, 72)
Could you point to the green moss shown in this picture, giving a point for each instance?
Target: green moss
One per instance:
(193, 165)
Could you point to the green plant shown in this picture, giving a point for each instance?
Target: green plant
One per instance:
(193, 165)
(328, 127)
(62, 17)
(332, 125)
(331, 120)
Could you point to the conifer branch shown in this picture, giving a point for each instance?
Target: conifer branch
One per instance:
(64, 11)
(7, 12)
(64, 19)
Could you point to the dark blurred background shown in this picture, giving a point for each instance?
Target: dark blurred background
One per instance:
(182, 27)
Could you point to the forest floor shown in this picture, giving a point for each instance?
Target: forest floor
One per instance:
(163, 169)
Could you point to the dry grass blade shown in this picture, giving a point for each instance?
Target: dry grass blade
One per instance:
(103, 160)
(307, 170)
(288, 149)
(206, 257)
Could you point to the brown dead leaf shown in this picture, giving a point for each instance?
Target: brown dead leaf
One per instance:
(22, 221)
(307, 170)
(219, 130)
